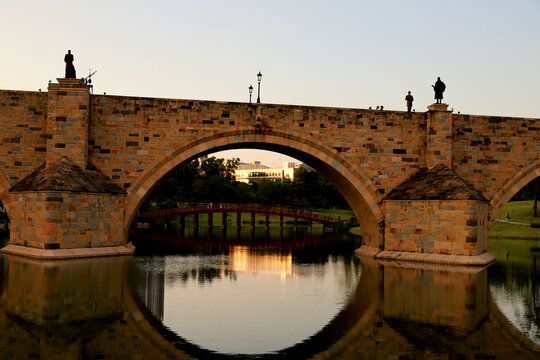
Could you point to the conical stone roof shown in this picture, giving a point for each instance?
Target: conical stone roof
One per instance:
(65, 175)
(436, 183)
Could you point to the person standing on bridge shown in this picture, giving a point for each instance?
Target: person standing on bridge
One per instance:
(439, 88)
(409, 99)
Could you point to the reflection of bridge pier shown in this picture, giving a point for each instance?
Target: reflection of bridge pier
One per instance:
(55, 308)
(438, 296)
(408, 310)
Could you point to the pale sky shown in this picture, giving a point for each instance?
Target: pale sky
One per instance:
(330, 53)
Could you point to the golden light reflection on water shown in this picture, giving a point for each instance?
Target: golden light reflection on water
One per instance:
(242, 259)
(60, 310)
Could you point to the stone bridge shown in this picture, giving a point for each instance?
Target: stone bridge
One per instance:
(75, 167)
(57, 318)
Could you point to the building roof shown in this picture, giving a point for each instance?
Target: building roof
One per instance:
(436, 183)
(65, 175)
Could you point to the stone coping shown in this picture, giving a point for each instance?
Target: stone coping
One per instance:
(405, 256)
(59, 254)
(438, 107)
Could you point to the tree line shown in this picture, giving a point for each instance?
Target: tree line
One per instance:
(212, 180)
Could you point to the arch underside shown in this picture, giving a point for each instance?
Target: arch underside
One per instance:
(357, 190)
(512, 186)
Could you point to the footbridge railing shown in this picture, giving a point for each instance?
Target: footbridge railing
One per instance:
(239, 209)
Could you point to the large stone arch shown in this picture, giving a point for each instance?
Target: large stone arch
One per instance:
(512, 186)
(359, 191)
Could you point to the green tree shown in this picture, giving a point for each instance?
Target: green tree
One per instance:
(212, 180)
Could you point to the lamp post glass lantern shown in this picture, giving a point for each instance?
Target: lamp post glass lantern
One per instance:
(250, 92)
(259, 77)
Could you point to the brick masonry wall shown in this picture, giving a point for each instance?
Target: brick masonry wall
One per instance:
(129, 135)
(23, 118)
(51, 220)
(488, 151)
(452, 227)
(439, 138)
(67, 121)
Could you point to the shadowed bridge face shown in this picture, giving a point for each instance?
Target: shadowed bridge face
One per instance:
(135, 142)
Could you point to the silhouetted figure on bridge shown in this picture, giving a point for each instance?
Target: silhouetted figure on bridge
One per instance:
(439, 88)
(409, 99)
(70, 69)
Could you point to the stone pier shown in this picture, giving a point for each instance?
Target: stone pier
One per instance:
(67, 208)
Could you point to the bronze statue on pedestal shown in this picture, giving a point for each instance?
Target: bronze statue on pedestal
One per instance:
(439, 88)
(70, 69)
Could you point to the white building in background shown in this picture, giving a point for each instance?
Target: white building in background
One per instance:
(248, 173)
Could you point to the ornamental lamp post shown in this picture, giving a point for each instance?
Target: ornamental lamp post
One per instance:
(250, 92)
(259, 77)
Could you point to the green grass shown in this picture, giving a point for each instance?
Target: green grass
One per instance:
(344, 213)
(519, 211)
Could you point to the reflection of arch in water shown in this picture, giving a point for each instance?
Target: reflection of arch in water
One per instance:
(368, 331)
(370, 328)
(359, 191)
(512, 186)
(361, 305)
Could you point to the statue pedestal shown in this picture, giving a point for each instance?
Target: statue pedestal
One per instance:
(438, 107)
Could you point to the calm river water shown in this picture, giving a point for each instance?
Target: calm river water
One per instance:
(268, 295)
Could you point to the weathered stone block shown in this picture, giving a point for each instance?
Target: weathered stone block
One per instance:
(436, 236)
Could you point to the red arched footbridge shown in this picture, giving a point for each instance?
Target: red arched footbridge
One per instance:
(239, 209)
